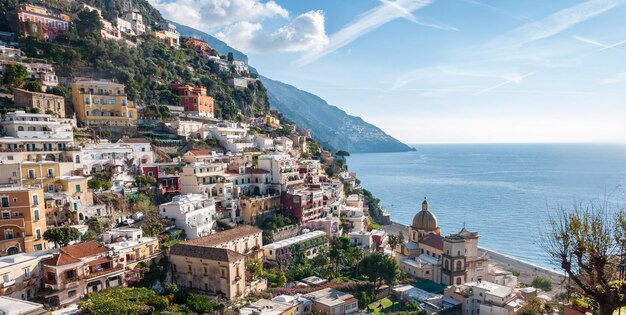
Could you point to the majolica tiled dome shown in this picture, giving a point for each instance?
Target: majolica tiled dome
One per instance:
(425, 220)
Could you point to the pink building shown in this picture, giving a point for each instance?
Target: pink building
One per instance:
(304, 203)
(40, 22)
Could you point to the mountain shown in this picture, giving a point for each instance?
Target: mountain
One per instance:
(328, 124)
(215, 43)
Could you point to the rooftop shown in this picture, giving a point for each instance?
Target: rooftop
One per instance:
(211, 253)
(295, 240)
(220, 238)
(329, 296)
(12, 306)
(433, 240)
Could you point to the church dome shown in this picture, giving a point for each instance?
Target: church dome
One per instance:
(425, 220)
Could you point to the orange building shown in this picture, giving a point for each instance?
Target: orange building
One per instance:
(22, 220)
(194, 99)
(200, 46)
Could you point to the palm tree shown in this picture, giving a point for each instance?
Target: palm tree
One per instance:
(393, 241)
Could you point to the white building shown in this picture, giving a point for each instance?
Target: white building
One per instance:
(302, 305)
(128, 233)
(37, 71)
(131, 23)
(233, 137)
(35, 137)
(263, 142)
(118, 156)
(485, 298)
(354, 217)
(310, 243)
(282, 167)
(500, 276)
(187, 128)
(193, 213)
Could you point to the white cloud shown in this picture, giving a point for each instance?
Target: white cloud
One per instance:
(304, 33)
(364, 24)
(616, 78)
(213, 15)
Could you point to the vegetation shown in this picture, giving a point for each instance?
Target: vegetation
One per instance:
(61, 236)
(277, 221)
(379, 269)
(587, 242)
(33, 86)
(14, 74)
(542, 282)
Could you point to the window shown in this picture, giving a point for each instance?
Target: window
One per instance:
(50, 187)
(150, 174)
(36, 214)
(206, 271)
(71, 293)
(38, 233)
(37, 248)
(222, 273)
(5, 202)
(8, 234)
(31, 174)
(35, 200)
(26, 273)
(189, 269)
(77, 188)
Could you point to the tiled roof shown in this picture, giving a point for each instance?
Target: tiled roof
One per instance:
(211, 253)
(433, 240)
(222, 237)
(85, 249)
(61, 259)
(200, 152)
(133, 140)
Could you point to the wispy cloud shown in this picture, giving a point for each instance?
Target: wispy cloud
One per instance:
(516, 80)
(588, 41)
(364, 24)
(408, 15)
(613, 45)
(557, 22)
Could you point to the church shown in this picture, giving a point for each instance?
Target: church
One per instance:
(449, 260)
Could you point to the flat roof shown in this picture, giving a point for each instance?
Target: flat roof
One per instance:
(294, 240)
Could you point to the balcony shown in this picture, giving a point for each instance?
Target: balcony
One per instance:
(7, 284)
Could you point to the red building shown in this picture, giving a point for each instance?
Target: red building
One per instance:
(40, 22)
(194, 99)
(304, 204)
(169, 184)
(201, 47)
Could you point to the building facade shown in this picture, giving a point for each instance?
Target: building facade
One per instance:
(194, 99)
(102, 103)
(23, 220)
(193, 213)
(46, 103)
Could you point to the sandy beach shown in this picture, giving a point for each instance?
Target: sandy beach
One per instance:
(527, 270)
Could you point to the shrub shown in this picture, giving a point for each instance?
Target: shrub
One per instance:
(542, 282)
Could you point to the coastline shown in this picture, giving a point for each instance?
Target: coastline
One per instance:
(526, 269)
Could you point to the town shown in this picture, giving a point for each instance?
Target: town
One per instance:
(181, 205)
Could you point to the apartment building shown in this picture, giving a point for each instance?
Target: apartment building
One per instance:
(484, 297)
(168, 36)
(102, 103)
(310, 244)
(215, 264)
(22, 222)
(21, 275)
(256, 208)
(80, 269)
(283, 168)
(194, 99)
(201, 47)
(193, 213)
(36, 137)
(304, 203)
(41, 22)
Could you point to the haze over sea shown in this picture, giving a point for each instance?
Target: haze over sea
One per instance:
(503, 191)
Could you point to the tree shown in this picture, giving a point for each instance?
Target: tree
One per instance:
(587, 242)
(342, 153)
(379, 268)
(254, 268)
(144, 181)
(62, 235)
(542, 282)
(531, 307)
(88, 23)
(201, 304)
(14, 74)
(90, 235)
(33, 86)
(393, 241)
(169, 98)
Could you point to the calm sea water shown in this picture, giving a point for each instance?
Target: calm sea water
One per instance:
(505, 192)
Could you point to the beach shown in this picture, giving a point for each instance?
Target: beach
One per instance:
(527, 270)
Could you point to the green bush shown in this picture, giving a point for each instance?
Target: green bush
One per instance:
(542, 282)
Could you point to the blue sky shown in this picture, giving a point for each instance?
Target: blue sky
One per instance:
(447, 71)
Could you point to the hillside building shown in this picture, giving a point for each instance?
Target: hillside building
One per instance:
(102, 103)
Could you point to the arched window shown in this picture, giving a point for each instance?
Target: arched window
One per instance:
(458, 266)
(458, 281)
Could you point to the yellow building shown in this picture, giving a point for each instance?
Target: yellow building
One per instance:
(22, 220)
(102, 103)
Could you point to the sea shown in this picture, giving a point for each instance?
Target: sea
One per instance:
(506, 192)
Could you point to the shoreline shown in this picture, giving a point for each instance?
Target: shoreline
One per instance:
(526, 269)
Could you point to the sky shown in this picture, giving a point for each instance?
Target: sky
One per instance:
(440, 71)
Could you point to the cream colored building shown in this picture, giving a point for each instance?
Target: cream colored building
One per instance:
(102, 103)
(21, 275)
